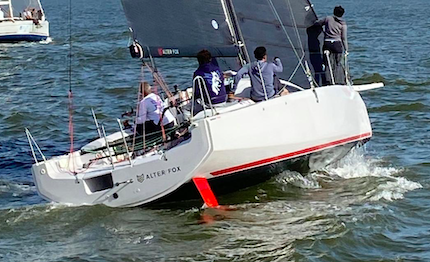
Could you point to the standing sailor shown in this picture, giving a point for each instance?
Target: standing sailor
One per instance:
(335, 42)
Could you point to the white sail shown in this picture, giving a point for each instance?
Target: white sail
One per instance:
(16, 8)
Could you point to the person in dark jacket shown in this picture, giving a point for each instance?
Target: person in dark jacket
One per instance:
(335, 44)
(213, 82)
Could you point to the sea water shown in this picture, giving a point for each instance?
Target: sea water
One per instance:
(371, 206)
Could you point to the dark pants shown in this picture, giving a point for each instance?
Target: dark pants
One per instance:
(151, 130)
(335, 58)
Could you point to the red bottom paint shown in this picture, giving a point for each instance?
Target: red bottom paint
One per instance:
(291, 155)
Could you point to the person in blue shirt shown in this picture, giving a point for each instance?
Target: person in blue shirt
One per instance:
(214, 81)
(261, 74)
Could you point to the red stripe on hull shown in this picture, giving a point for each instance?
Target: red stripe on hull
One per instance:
(290, 155)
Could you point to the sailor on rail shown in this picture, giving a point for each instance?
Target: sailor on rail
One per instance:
(261, 74)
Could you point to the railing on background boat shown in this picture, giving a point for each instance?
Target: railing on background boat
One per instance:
(31, 141)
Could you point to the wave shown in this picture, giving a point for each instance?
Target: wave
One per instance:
(390, 185)
(370, 78)
(120, 90)
(15, 188)
(400, 107)
(381, 182)
(16, 117)
(375, 77)
(403, 82)
(298, 180)
(47, 41)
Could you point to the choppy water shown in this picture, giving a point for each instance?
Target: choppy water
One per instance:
(372, 206)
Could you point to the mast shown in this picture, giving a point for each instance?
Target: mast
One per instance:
(10, 9)
(235, 30)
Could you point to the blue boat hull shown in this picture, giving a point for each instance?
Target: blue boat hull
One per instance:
(19, 38)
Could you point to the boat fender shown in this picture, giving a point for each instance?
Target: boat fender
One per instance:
(136, 50)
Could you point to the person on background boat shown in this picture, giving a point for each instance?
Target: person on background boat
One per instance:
(151, 109)
(214, 81)
(335, 42)
(35, 16)
(39, 15)
(262, 75)
(27, 15)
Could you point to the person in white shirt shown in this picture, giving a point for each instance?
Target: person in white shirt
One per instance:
(27, 15)
(151, 109)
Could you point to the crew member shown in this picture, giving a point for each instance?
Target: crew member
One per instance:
(335, 43)
(151, 110)
(213, 82)
(262, 75)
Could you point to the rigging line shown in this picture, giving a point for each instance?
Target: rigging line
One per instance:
(139, 98)
(70, 46)
(297, 68)
(228, 20)
(240, 40)
(157, 76)
(295, 27)
(286, 33)
(70, 95)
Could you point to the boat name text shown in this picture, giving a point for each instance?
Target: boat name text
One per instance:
(158, 173)
(168, 51)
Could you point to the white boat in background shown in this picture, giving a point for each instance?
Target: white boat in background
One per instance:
(220, 149)
(22, 20)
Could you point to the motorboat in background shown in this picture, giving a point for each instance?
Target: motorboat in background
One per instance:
(22, 20)
(220, 149)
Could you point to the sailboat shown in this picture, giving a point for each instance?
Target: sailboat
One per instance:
(22, 20)
(223, 149)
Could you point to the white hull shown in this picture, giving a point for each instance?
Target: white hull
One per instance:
(241, 138)
(23, 30)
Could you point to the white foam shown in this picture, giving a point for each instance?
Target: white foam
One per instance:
(392, 185)
(16, 189)
(298, 180)
(47, 41)
(356, 165)
(33, 211)
(393, 190)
